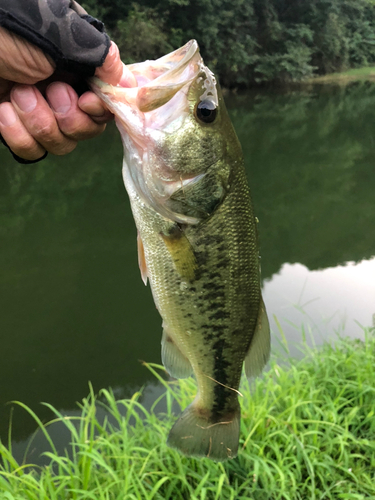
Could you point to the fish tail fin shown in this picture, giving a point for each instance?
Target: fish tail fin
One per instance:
(196, 435)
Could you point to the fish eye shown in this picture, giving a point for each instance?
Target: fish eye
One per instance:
(206, 111)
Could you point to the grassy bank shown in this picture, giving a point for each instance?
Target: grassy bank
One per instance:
(308, 432)
(345, 77)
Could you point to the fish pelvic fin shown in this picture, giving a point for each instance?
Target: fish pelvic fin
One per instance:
(259, 350)
(196, 435)
(176, 364)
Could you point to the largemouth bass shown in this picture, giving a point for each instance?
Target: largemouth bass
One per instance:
(197, 239)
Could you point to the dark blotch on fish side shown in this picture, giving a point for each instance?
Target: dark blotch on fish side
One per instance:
(214, 275)
(212, 286)
(222, 263)
(237, 331)
(217, 294)
(218, 328)
(220, 315)
(202, 258)
(210, 239)
(220, 366)
(213, 306)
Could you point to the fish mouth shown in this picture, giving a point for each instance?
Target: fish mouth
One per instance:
(158, 81)
(167, 68)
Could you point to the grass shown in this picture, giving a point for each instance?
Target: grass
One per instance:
(352, 75)
(308, 432)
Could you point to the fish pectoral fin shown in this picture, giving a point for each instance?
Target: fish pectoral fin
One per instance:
(182, 252)
(259, 350)
(176, 364)
(141, 259)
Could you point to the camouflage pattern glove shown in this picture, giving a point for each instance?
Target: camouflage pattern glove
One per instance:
(62, 29)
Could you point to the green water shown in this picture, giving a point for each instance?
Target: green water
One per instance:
(73, 306)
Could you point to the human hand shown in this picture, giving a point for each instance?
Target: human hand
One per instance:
(35, 116)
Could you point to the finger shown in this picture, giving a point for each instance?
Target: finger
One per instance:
(113, 70)
(16, 135)
(91, 104)
(72, 121)
(22, 62)
(39, 119)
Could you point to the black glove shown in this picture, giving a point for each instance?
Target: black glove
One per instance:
(62, 29)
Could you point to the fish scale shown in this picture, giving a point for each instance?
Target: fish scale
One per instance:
(197, 240)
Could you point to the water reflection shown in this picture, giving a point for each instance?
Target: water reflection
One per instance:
(73, 306)
(326, 302)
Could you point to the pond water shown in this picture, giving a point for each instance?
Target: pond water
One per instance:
(73, 306)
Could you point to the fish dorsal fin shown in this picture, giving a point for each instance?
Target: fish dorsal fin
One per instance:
(182, 252)
(176, 364)
(142, 259)
(259, 350)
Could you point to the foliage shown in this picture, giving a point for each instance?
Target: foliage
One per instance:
(225, 31)
(248, 41)
(141, 34)
(291, 60)
(307, 431)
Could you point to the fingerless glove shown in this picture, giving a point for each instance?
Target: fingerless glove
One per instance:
(62, 29)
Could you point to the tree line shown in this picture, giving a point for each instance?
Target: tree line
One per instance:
(247, 42)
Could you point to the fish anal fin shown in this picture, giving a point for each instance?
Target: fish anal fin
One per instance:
(176, 364)
(142, 259)
(182, 253)
(259, 350)
(195, 435)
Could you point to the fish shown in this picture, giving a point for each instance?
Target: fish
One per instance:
(184, 173)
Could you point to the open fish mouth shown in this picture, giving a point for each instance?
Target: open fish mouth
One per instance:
(175, 61)
(159, 81)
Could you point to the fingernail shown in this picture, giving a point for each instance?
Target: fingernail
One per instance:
(25, 98)
(7, 115)
(112, 50)
(59, 98)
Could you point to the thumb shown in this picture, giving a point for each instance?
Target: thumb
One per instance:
(114, 71)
